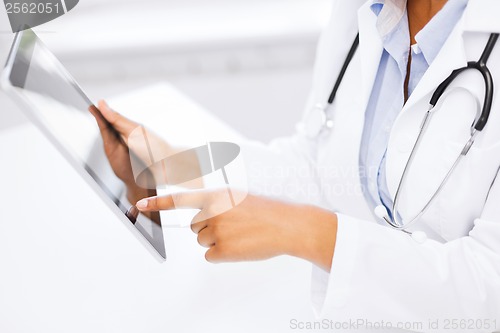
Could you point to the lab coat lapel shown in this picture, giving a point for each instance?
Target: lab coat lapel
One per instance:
(349, 112)
(370, 48)
(451, 56)
(406, 126)
(479, 16)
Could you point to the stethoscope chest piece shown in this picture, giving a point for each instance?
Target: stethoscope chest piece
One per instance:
(317, 121)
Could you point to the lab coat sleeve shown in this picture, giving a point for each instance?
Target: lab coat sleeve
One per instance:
(282, 169)
(285, 168)
(382, 275)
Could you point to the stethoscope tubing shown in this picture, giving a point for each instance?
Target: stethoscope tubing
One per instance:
(478, 125)
(340, 77)
(481, 66)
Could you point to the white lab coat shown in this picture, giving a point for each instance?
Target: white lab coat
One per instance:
(379, 274)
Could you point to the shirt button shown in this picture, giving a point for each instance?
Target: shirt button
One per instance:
(416, 49)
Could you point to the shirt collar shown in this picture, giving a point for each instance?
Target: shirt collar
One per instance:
(392, 25)
(389, 14)
(431, 38)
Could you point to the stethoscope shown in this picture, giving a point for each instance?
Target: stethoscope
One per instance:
(319, 122)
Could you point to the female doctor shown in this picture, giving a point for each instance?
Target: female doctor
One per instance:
(400, 216)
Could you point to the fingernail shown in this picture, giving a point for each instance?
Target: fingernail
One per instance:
(142, 204)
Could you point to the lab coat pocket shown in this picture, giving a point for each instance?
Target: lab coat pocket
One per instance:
(464, 195)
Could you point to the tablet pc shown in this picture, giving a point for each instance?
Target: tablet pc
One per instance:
(56, 104)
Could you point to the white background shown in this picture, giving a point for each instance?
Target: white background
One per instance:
(249, 62)
(66, 263)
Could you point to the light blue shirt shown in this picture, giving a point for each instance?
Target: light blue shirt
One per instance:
(387, 97)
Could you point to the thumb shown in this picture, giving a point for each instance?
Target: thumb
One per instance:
(122, 124)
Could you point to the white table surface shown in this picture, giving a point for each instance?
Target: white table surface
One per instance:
(67, 264)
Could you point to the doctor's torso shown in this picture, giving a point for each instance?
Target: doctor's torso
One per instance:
(337, 152)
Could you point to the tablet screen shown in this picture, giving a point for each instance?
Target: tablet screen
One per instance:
(61, 107)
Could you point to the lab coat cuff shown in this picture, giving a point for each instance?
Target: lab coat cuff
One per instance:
(330, 290)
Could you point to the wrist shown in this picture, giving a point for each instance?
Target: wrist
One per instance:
(314, 236)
